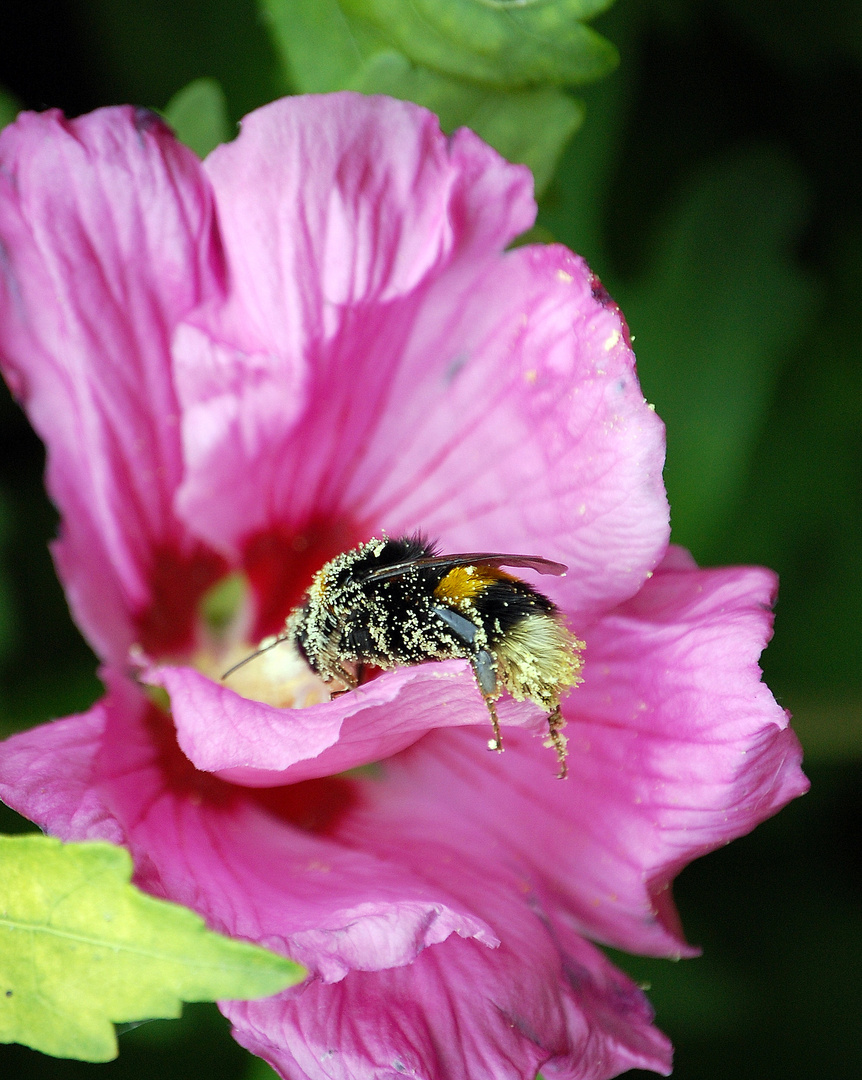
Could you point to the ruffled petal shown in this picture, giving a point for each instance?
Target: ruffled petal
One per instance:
(340, 200)
(334, 202)
(677, 739)
(675, 747)
(257, 745)
(539, 1001)
(106, 243)
(264, 869)
(47, 774)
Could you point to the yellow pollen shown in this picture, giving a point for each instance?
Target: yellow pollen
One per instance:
(465, 582)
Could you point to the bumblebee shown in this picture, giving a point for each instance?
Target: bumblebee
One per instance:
(397, 602)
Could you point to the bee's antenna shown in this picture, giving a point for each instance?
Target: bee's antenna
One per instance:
(251, 656)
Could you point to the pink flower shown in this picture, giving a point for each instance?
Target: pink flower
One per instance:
(255, 363)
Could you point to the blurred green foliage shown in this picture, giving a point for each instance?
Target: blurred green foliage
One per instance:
(8, 108)
(329, 45)
(499, 44)
(198, 115)
(713, 187)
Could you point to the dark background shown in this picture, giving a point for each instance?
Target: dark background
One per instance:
(714, 188)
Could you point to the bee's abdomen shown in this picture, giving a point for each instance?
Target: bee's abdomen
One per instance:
(506, 602)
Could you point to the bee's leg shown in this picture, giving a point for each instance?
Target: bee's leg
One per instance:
(497, 742)
(485, 668)
(557, 740)
(484, 665)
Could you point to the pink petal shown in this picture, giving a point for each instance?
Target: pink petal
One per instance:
(257, 745)
(500, 379)
(338, 201)
(676, 728)
(116, 773)
(675, 748)
(106, 235)
(47, 775)
(462, 1011)
(333, 209)
(521, 427)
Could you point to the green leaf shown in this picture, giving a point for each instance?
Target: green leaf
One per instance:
(503, 43)
(324, 48)
(579, 198)
(80, 947)
(9, 108)
(527, 126)
(321, 47)
(714, 319)
(198, 115)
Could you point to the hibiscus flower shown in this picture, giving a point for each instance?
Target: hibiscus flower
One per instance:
(241, 368)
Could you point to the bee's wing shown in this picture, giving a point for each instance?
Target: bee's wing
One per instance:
(473, 558)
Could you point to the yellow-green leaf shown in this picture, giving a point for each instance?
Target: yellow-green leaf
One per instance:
(82, 949)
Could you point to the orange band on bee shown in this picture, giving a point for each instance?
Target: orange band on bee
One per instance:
(465, 582)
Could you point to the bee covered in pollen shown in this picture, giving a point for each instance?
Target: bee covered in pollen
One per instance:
(394, 603)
